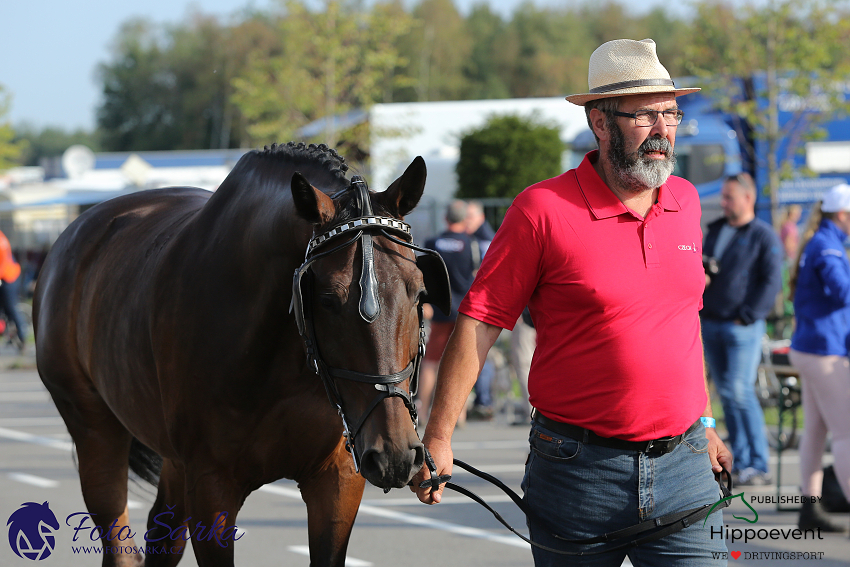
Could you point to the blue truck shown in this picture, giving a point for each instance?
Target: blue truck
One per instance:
(712, 145)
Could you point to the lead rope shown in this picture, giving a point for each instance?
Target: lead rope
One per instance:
(663, 526)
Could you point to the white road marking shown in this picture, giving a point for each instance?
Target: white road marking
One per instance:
(25, 396)
(31, 422)
(369, 507)
(25, 386)
(134, 504)
(412, 519)
(447, 500)
(39, 481)
(36, 439)
(349, 561)
(463, 445)
(509, 468)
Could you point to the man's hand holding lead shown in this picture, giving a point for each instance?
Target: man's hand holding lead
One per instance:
(718, 453)
(442, 454)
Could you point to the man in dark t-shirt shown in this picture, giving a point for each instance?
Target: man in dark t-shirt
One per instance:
(455, 247)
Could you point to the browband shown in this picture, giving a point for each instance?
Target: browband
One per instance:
(356, 224)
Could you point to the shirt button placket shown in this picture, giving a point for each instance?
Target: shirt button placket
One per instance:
(650, 250)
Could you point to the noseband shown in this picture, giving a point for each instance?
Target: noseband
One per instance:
(359, 229)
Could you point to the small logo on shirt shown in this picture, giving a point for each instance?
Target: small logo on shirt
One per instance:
(689, 247)
(448, 245)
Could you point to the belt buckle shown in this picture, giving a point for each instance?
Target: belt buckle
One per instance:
(660, 446)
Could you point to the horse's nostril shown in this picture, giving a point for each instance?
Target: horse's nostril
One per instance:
(373, 464)
(418, 457)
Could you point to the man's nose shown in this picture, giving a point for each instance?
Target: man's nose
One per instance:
(660, 128)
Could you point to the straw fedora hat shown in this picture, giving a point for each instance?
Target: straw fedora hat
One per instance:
(626, 67)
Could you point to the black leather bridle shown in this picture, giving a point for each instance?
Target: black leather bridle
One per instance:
(361, 229)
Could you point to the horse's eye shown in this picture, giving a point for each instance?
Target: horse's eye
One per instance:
(327, 301)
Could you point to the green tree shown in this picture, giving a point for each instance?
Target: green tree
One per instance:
(136, 112)
(437, 51)
(486, 63)
(793, 44)
(51, 142)
(331, 62)
(170, 87)
(548, 48)
(548, 52)
(506, 155)
(10, 148)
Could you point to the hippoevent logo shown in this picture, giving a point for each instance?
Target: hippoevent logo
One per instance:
(749, 534)
(729, 499)
(31, 530)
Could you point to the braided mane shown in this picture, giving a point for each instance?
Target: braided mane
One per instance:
(300, 153)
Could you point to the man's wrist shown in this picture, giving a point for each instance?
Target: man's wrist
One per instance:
(708, 422)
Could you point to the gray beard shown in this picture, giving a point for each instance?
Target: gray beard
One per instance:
(636, 172)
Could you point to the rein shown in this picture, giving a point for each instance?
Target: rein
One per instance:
(385, 384)
(627, 537)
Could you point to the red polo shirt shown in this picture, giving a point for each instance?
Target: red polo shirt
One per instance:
(614, 298)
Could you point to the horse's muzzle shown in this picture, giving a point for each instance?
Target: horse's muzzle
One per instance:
(392, 468)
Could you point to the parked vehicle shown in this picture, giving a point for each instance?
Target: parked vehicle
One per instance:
(712, 144)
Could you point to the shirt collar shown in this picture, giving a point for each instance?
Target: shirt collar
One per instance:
(601, 200)
(829, 225)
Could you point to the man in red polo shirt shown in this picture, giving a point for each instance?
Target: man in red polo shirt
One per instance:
(608, 258)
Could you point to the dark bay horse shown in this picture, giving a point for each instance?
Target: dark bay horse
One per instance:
(167, 327)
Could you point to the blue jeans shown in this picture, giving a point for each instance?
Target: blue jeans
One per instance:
(581, 491)
(483, 396)
(9, 304)
(733, 353)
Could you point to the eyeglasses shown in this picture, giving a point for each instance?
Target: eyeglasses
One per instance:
(645, 118)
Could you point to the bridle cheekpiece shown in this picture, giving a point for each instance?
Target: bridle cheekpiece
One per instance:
(361, 230)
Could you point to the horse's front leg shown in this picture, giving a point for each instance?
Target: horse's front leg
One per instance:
(332, 497)
(167, 532)
(214, 499)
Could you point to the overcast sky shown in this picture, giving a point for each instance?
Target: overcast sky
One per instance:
(49, 49)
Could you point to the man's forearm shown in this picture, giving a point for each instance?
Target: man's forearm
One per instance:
(464, 356)
(707, 411)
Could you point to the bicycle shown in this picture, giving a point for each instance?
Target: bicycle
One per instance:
(778, 389)
(8, 330)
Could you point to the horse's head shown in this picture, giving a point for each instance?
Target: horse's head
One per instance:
(357, 298)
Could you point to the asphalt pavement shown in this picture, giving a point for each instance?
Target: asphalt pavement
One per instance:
(36, 465)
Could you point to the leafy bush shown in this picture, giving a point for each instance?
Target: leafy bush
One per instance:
(505, 156)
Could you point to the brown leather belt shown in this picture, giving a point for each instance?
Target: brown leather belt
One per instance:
(654, 447)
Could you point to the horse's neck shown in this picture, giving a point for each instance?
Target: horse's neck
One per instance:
(257, 223)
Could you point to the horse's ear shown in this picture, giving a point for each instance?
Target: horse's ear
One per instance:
(312, 205)
(404, 193)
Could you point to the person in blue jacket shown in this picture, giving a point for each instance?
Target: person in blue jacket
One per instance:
(736, 302)
(819, 347)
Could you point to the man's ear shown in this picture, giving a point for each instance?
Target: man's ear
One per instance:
(599, 121)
